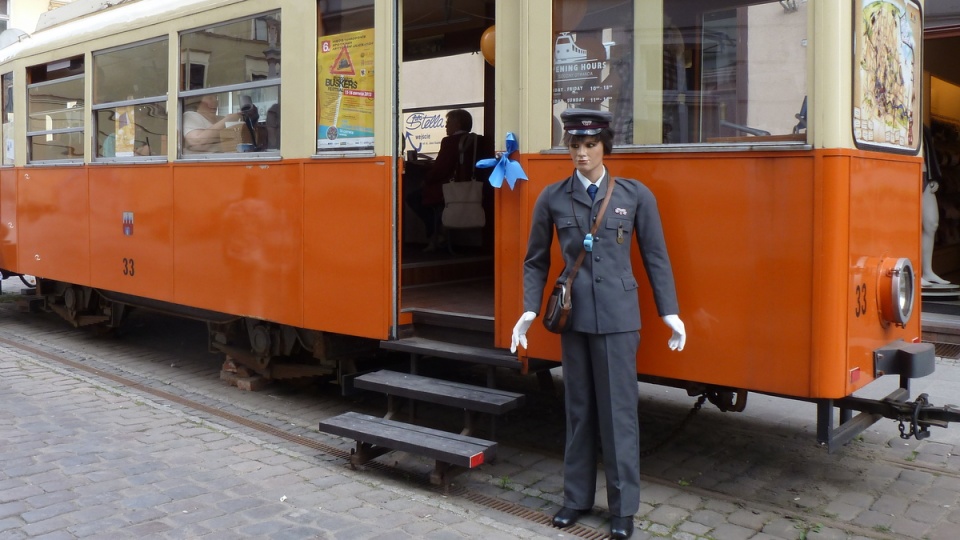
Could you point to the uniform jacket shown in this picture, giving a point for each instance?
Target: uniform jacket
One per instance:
(604, 296)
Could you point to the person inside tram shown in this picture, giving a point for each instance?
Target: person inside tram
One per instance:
(599, 351)
(427, 201)
(202, 127)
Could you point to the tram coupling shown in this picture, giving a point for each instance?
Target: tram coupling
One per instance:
(920, 415)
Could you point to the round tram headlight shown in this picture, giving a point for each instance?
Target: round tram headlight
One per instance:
(897, 290)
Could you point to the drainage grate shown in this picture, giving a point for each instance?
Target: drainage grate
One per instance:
(946, 350)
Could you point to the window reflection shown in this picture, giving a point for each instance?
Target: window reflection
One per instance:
(733, 73)
(129, 95)
(55, 111)
(7, 106)
(230, 87)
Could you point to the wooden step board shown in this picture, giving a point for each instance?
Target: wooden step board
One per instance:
(454, 351)
(452, 394)
(376, 436)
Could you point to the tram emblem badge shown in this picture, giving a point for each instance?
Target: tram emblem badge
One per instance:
(128, 223)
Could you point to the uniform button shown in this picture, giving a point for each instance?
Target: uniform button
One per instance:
(599, 279)
(597, 259)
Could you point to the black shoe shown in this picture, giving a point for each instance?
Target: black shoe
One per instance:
(566, 517)
(621, 527)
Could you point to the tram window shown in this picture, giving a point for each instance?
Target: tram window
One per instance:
(726, 71)
(56, 111)
(6, 104)
(345, 57)
(130, 101)
(230, 87)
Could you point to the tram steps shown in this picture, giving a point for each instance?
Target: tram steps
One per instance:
(452, 452)
(421, 346)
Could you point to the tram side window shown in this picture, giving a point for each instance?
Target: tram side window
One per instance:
(345, 54)
(130, 101)
(55, 111)
(6, 104)
(230, 87)
(732, 74)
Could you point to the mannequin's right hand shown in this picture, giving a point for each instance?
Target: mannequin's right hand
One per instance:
(520, 330)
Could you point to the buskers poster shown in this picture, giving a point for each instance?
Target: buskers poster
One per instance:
(345, 90)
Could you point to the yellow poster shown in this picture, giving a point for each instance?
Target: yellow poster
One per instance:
(345, 90)
(126, 131)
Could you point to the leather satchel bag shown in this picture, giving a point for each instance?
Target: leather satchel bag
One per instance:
(463, 201)
(558, 315)
(556, 318)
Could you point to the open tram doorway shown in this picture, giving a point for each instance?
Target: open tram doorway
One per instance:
(446, 90)
(941, 250)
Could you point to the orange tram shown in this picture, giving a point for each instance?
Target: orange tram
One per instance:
(147, 163)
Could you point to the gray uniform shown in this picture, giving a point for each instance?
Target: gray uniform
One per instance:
(599, 352)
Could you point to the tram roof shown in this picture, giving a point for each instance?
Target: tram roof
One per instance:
(94, 18)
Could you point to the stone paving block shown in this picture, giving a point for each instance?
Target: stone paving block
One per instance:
(668, 515)
(841, 511)
(751, 519)
(14, 508)
(909, 528)
(46, 526)
(730, 531)
(708, 518)
(148, 528)
(781, 527)
(11, 524)
(890, 504)
(874, 520)
(693, 529)
(656, 494)
(687, 501)
(48, 512)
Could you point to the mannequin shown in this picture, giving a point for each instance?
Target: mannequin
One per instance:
(931, 211)
(599, 352)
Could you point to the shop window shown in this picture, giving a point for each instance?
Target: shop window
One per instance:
(230, 87)
(130, 101)
(680, 75)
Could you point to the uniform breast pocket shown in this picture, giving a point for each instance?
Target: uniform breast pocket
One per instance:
(629, 283)
(618, 228)
(566, 222)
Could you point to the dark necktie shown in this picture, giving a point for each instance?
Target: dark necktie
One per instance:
(592, 191)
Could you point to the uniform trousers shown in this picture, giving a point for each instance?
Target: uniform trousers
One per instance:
(601, 395)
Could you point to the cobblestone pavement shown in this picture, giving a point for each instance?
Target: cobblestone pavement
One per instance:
(84, 457)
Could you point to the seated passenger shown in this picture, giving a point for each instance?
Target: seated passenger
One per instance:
(201, 128)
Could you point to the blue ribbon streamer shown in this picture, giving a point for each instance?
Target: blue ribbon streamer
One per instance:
(503, 166)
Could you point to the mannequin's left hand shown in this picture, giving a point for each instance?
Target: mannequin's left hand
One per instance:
(679, 337)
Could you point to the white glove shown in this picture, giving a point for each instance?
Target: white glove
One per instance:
(679, 337)
(520, 330)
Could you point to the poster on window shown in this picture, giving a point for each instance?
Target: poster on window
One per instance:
(345, 90)
(126, 131)
(886, 80)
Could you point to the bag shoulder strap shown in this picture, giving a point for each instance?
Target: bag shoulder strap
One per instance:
(593, 230)
(469, 138)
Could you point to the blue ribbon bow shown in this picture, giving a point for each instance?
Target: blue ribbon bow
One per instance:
(503, 166)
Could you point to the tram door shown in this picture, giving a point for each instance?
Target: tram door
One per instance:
(446, 126)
